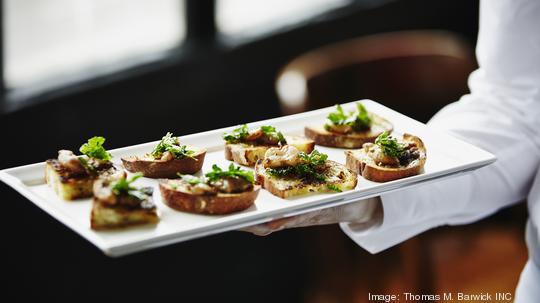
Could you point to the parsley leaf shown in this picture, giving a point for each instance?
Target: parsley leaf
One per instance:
(233, 171)
(237, 135)
(359, 120)
(363, 120)
(389, 145)
(271, 132)
(123, 187)
(315, 158)
(169, 143)
(94, 149)
(338, 117)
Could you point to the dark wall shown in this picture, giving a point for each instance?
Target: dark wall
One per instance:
(209, 85)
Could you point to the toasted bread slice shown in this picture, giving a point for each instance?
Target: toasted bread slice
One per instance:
(74, 187)
(246, 154)
(157, 168)
(213, 204)
(338, 178)
(104, 217)
(359, 162)
(65, 187)
(352, 140)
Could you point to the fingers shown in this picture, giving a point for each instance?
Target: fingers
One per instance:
(267, 228)
(258, 230)
(279, 224)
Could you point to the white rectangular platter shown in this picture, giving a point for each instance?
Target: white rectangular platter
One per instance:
(446, 156)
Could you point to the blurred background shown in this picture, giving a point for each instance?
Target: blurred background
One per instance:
(132, 70)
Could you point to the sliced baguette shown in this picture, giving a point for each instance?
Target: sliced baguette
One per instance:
(246, 154)
(337, 175)
(67, 188)
(353, 140)
(213, 204)
(157, 168)
(72, 188)
(359, 162)
(103, 217)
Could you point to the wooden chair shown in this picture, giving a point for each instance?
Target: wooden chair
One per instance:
(414, 72)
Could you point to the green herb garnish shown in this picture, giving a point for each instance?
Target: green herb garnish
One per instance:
(338, 117)
(271, 132)
(359, 120)
(233, 171)
(237, 135)
(389, 145)
(89, 168)
(123, 187)
(307, 170)
(334, 187)
(363, 120)
(170, 144)
(94, 149)
(315, 158)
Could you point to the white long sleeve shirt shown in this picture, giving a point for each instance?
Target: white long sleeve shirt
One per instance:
(500, 115)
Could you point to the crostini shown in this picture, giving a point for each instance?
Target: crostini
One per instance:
(245, 146)
(117, 203)
(388, 158)
(72, 176)
(218, 192)
(287, 172)
(167, 159)
(348, 130)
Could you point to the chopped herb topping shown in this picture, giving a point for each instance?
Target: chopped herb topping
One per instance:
(94, 149)
(237, 135)
(233, 171)
(87, 166)
(242, 134)
(271, 132)
(359, 120)
(309, 170)
(334, 187)
(363, 120)
(123, 187)
(315, 158)
(389, 145)
(169, 143)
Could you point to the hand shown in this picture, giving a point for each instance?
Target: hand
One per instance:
(368, 211)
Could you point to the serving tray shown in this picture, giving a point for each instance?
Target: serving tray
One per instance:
(446, 156)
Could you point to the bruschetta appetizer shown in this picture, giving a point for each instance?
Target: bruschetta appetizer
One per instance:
(388, 158)
(348, 130)
(218, 192)
(287, 172)
(168, 158)
(72, 176)
(245, 146)
(117, 203)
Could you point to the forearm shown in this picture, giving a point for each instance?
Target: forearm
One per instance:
(466, 198)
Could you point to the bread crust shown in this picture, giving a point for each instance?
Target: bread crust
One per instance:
(363, 165)
(73, 188)
(157, 168)
(212, 204)
(353, 140)
(247, 155)
(285, 189)
(105, 218)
